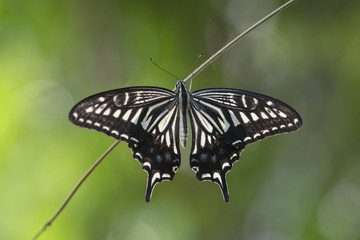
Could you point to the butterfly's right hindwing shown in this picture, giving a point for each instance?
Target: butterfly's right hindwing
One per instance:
(145, 118)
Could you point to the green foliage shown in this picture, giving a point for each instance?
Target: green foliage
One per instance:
(305, 185)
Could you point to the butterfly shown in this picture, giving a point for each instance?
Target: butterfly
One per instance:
(153, 121)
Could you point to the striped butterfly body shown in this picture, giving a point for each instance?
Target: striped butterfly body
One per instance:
(153, 121)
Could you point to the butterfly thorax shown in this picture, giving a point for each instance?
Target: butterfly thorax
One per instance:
(184, 99)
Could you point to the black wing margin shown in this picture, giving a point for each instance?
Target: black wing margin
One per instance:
(224, 121)
(145, 118)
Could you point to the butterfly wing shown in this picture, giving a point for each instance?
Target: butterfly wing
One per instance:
(225, 120)
(145, 118)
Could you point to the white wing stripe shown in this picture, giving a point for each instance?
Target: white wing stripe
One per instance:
(203, 121)
(127, 115)
(244, 117)
(224, 124)
(165, 121)
(135, 119)
(233, 118)
(145, 122)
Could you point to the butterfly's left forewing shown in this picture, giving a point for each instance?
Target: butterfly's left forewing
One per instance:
(145, 118)
(225, 120)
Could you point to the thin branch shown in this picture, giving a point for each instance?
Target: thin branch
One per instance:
(61, 208)
(235, 40)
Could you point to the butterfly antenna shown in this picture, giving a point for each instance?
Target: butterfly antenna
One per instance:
(192, 66)
(68, 198)
(151, 60)
(235, 40)
(190, 85)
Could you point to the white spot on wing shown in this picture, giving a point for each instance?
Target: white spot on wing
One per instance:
(236, 142)
(269, 103)
(225, 165)
(209, 139)
(89, 109)
(115, 132)
(281, 114)
(247, 139)
(264, 116)
(127, 115)
(254, 116)
(89, 121)
(145, 164)
(272, 114)
(243, 100)
(244, 117)
(101, 99)
(117, 113)
(265, 131)
(155, 177)
(107, 112)
(75, 115)
(106, 128)
(126, 98)
(136, 117)
(166, 175)
(99, 110)
(124, 136)
(217, 176)
(206, 175)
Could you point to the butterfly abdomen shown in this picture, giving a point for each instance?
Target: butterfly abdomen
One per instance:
(184, 104)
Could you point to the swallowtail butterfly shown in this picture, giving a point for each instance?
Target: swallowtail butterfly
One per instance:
(153, 121)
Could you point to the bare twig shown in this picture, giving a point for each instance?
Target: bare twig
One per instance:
(235, 40)
(68, 198)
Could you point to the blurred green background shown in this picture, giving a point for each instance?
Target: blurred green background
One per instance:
(303, 185)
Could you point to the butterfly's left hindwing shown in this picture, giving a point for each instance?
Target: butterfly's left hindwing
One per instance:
(225, 120)
(145, 118)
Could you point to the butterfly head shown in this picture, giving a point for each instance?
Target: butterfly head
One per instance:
(181, 86)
